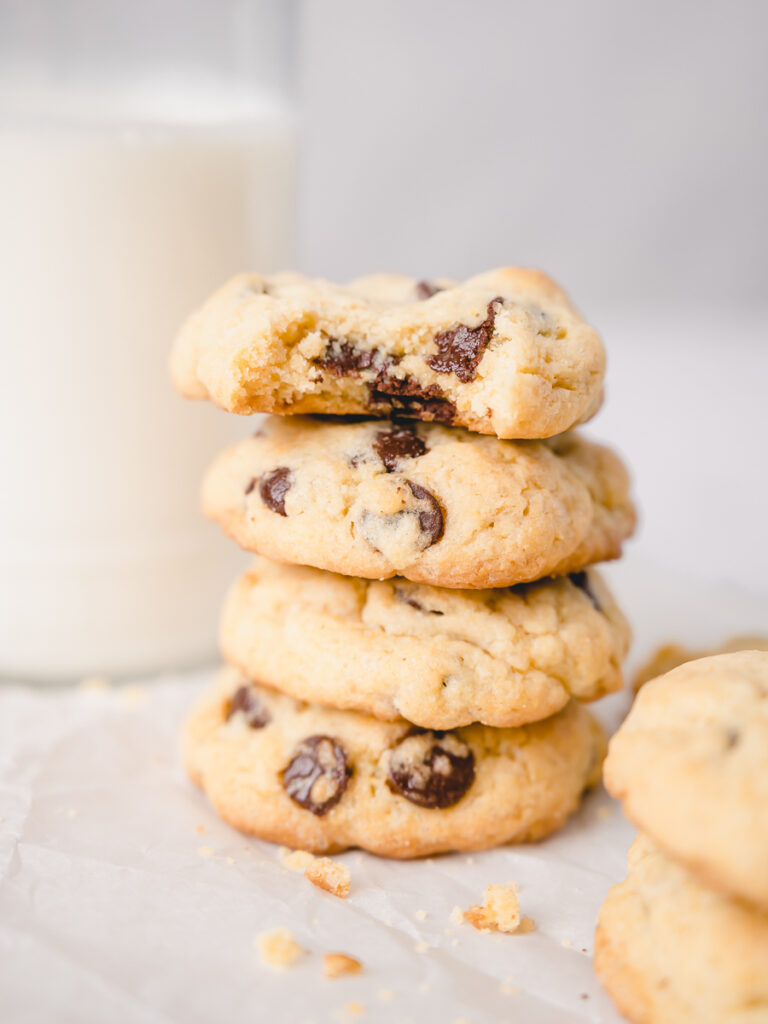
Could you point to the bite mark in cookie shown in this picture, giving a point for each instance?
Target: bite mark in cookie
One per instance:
(460, 348)
(431, 769)
(406, 397)
(317, 775)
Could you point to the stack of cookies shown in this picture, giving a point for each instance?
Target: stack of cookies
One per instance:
(684, 940)
(409, 652)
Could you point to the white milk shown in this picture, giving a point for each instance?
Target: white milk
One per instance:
(109, 236)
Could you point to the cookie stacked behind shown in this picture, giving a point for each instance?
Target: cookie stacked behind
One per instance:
(685, 938)
(408, 652)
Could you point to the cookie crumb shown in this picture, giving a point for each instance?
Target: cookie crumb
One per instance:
(354, 1009)
(500, 910)
(566, 942)
(327, 874)
(386, 995)
(420, 915)
(200, 829)
(604, 812)
(205, 851)
(336, 964)
(323, 872)
(421, 947)
(508, 990)
(278, 948)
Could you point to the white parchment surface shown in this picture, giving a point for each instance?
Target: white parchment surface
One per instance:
(123, 900)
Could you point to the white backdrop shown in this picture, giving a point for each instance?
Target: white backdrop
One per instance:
(623, 148)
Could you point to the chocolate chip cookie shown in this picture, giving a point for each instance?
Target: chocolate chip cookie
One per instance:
(671, 951)
(439, 658)
(690, 764)
(322, 780)
(432, 503)
(503, 353)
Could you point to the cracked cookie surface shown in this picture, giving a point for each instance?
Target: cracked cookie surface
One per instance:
(503, 353)
(319, 779)
(438, 658)
(671, 951)
(431, 503)
(690, 765)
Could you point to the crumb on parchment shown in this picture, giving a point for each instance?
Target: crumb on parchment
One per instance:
(278, 948)
(336, 964)
(499, 911)
(329, 875)
(323, 872)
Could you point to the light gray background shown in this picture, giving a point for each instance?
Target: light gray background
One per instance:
(623, 146)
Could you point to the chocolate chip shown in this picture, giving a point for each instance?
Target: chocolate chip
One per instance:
(431, 769)
(732, 737)
(431, 519)
(246, 701)
(406, 598)
(317, 774)
(460, 348)
(425, 290)
(398, 443)
(581, 580)
(342, 359)
(273, 487)
(406, 397)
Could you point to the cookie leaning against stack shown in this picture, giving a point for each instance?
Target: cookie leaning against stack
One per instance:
(685, 937)
(408, 681)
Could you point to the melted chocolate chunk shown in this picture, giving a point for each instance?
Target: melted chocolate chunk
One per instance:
(317, 775)
(431, 769)
(387, 393)
(406, 598)
(425, 290)
(273, 487)
(581, 580)
(431, 519)
(460, 348)
(246, 701)
(342, 359)
(398, 443)
(404, 396)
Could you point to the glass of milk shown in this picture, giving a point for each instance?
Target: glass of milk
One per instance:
(146, 154)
